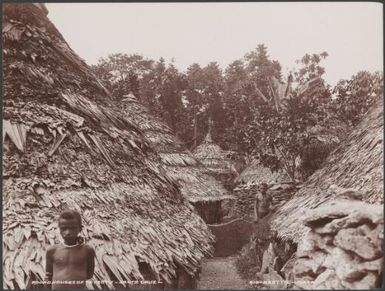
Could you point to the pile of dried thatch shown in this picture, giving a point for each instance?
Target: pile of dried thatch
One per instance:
(63, 147)
(356, 163)
(196, 185)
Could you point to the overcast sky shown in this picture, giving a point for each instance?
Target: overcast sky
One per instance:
(352, 33)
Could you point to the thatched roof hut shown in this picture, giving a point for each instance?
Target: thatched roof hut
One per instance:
(180, 164)
(216, 160)
(255, 174)
(64, 148)
(356, 163)
(199, 188)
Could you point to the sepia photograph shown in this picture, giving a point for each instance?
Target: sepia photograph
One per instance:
(197, 145)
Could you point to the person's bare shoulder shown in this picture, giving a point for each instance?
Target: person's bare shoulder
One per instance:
(259, 196)
(52, 249)
(89, 249)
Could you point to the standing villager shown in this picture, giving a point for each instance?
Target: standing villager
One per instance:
(262, 203)
(70, 264)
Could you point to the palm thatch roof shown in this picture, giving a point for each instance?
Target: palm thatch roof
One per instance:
(64, 148)
(356, 163)
(179, 163)
(255, 174)
(216, 160)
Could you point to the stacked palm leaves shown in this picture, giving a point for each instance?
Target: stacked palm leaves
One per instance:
(64, 148)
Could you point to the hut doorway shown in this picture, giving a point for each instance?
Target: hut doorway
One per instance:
(210, 211)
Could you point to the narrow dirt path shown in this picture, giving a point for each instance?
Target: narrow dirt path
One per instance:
(221, 273)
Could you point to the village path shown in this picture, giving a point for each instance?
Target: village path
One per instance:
(221, 273)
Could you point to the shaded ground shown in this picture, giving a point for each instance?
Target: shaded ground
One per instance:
(221, 273)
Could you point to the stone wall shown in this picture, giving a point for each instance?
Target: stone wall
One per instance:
(343, 248)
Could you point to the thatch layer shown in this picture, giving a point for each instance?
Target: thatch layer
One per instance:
(63, 147)
(135, 225)
(255, 174)
(356, 163)
(179, 163)
(218, 162)
(213, 157)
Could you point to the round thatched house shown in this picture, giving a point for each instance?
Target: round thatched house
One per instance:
(356, 163)
(217, 161)
(65, 148)
(202, 190)
(330, 234)
(336, 220)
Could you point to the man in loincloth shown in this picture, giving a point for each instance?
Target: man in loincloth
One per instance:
(262, 204)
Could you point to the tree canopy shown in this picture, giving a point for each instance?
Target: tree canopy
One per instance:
(253, 109)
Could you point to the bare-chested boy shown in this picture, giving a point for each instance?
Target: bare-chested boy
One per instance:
(70, 264)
